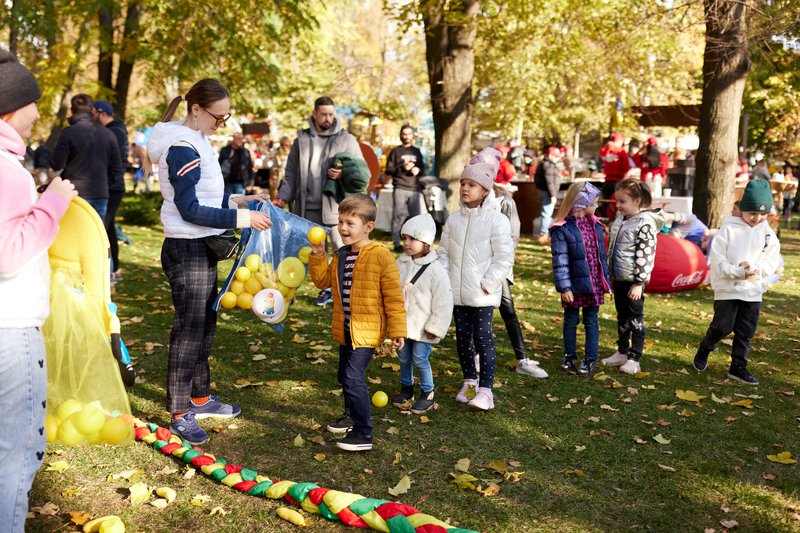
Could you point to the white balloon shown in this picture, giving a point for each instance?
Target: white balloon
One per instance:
(268, 305)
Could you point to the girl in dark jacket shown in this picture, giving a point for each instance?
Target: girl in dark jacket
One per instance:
(580, 273)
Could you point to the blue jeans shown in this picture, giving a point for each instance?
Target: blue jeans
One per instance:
(352, 374)
(548, 206)
(23, 396)
(100, 205)
(474, 331)
(416, 354)
(234, 188)
(590, 326)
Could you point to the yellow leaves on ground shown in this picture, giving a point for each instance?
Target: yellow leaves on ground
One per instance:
(298, 442)
(660, 439)
(48, 509)
(78, 518)
(784, 458)
(57, 466)
(576, 473)
(139, 493)
(462, 465)
(689, 396)
(747, 404)
(200, 500)
(666, 468)
(393, 366)
(218, 511)
(402, 486)
(291, 516)
(464, 481)
(319, 457)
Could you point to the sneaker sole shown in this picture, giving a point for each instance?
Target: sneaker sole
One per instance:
(338, 431)
(740, 380)
(699, 369)
(202, 416)
(193, 443)
(530, 375)
(354, 447)
(422, 411)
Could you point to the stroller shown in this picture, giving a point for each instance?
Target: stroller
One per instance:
(434, 191)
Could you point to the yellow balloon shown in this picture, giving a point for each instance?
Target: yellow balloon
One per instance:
(115, 431)
(302, 255)
(253, 262)
(237, 287)
(242, 274)
(245, 300)
(112, 525)
(253, 286)
(68, 433)
(89, 420)
(228, 300)
(66, 409)
(316, 235)
(379, 399)
(51, 427)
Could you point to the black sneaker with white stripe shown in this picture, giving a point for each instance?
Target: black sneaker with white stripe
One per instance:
(742, 375)
(343, 424)
(355, 442)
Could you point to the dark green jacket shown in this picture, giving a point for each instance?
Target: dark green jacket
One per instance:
(354, 179)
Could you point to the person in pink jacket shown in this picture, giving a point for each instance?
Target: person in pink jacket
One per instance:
(28, 225)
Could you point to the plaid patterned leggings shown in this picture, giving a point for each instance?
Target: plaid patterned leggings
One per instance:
(192, 276)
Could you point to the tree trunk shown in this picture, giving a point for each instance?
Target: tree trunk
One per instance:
(13, 32)
(449, 35)
(105, 60)
(127, 57)
(725, 65)
(72, 71)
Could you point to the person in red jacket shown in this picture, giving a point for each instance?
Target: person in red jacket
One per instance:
(652, 161)
(616, 164)
(506, 172)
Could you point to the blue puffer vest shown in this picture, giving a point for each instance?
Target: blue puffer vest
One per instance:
(570, 267)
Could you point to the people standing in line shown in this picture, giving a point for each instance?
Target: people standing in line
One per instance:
(103, 113)
(404, 167)
(368, 303)
(525, 366)
(580, 272)
(429, 311)
(237, 165)
(89, 155)
(195, 209)
(548, 182)
(631, 257)
(616, 165)
(28, 226)
(477, 250)
(308, 168)
(745, 252)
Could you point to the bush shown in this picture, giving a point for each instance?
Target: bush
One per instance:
(141, 209)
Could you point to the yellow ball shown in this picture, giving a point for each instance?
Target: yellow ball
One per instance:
(89, 420)
(302, 255)
(112, 525)
(115, 431)
(66, 409)
(245, 300)
(237, 287)
(68, 434)
(228, 300)
(253, 286)
(379, 399)
(253, 262)
(316, 235)
(291, 272)
(242, 274)
(51, 427)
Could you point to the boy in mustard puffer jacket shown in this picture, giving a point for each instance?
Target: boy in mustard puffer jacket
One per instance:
(367, 302)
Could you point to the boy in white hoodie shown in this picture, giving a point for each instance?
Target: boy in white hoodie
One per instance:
(429, 309)
(743, 254)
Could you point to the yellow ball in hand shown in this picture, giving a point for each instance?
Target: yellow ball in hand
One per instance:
(379, 399)
(316, 235)
(242, 274)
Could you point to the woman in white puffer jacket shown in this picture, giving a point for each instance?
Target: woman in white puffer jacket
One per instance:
(478, 252)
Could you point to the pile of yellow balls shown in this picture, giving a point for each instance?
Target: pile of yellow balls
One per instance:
(75, 423)
(256, 275)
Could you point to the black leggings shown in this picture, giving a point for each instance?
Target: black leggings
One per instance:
(114, 201)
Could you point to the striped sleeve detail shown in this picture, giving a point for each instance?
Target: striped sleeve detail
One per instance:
(188, 166)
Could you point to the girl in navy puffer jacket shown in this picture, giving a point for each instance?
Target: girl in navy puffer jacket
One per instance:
(580, 273)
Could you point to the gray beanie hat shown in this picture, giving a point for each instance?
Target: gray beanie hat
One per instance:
(18, 87)
(483, 167)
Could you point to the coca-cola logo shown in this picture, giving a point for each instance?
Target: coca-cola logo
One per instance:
(695, 278)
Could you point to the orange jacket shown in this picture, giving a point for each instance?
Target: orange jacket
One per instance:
(376, 297)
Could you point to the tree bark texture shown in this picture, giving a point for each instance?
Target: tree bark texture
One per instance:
(450, 29)
(105, 59)
(127, 57)
(726, 63)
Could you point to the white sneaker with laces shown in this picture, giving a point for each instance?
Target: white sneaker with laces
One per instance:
(529, 367)
(631, 367)
(462, 397)
(618, 359)
(483, 401)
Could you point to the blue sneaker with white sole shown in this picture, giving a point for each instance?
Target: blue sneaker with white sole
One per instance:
(186, 427)
(214, 408)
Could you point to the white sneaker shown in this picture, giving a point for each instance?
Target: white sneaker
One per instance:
(618, 359)
(529, 367)
(468, 391)
(483, 401)
(631, 367)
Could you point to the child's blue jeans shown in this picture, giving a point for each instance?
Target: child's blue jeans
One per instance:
(591, 327)
(416, 354)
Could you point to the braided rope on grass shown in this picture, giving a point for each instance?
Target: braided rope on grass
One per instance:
(348, 508)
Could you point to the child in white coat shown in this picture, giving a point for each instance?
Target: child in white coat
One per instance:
(429, 308)
(478, 252)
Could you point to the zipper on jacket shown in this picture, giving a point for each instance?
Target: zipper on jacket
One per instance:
(464, 256)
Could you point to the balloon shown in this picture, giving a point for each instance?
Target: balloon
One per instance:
(253, 286)
(68, 434)
(51, 427)
(237, 287)
(245, 300)
(302, 255)
(66, 409)
(379, 399)
(291, 272)
(115, 431)
(89, 420)
(242, 274)
(253, 262)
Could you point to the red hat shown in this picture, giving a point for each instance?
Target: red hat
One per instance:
(553, 151)
(652, 140)
(617, 137)
(503, 149)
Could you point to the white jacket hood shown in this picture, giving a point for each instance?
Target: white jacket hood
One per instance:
(165, 134)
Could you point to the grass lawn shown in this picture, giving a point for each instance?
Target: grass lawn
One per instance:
(586, 450)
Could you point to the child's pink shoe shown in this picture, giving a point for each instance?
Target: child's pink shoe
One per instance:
(618, 359)
(468, 391)
(631, 367)
(483, 401)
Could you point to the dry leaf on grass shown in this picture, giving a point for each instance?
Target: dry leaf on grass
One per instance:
(729, 524)
(492, 490)
(660, 439)
(606, 407)
(424, 419)
(689, 396)
(78, 518)
(402, 486)
(576, 473)
(464, 481)
(666, 468)
(218, 511)
(319, 457)
(462, 465)
(57, 466)
(397, 458)
(139, 493)
(48, 509)
(200, 500)
(298, 441)
(747, 404)
(784, 458)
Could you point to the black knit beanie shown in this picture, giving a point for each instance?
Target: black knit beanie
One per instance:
(18, 87)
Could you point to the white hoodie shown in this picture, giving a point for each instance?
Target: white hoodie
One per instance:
(737, 241)
(477, 250)
(429, 301)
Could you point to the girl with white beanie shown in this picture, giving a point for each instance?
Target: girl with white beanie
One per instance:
(429, 308)
(478, 252)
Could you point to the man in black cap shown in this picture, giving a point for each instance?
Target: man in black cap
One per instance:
(89, 155)
(103, 113)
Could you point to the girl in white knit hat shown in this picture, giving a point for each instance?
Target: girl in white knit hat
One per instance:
(429, 308)
(478, 252)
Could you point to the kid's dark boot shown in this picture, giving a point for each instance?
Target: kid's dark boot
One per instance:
(405, 395)
(742, 375)
(424, 404)
(587, 368)
(569, 363)
(700, 362)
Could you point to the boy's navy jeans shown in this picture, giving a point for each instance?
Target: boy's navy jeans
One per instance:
(352, 374)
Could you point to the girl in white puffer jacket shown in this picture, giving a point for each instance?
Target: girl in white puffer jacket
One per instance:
(478, 252)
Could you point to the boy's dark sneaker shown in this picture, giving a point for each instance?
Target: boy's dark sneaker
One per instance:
(587, 368)
(570, 363)
(405, 395)
(424, 404)
(324, 298)
(186, 427)
(343, 424)
(700, 362)
(214, 408)
(398, 248)
(355, 442)
(741, 374)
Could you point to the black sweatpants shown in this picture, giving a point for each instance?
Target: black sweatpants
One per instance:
(114, 201)
(630, 321)
(735, 316)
